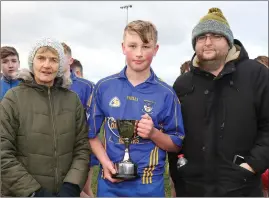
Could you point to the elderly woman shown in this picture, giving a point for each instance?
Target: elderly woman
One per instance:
(44, 144)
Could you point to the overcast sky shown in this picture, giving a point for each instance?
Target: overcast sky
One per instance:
(94, 30)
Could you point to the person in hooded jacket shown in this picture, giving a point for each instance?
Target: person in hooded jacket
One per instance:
(44, 143)
(225, 107)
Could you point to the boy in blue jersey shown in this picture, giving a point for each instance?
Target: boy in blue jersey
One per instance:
(80, 86)
(84, 89)
(135, 93)
(10, 64)
(77, 68)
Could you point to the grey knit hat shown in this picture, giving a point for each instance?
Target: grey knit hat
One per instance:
(48, 42)
(213, 22)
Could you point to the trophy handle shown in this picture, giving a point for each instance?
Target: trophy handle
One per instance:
(112, 120)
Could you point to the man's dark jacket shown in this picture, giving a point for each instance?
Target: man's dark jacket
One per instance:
(223, 116)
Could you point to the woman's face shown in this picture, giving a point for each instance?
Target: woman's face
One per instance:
(46, 66)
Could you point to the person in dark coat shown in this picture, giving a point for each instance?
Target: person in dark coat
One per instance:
(265, 176)
(263, 60)
(225, 107)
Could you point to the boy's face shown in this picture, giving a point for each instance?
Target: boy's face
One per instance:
(139, 55)
(78, 72)
(10, 66)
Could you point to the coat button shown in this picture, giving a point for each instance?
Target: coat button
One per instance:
(220, 136)
(222, 126)
(206, 92)
(203, 148)
(231, 82)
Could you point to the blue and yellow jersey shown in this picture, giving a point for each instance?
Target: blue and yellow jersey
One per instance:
(83, 88)
(6, 84)
(115, 97)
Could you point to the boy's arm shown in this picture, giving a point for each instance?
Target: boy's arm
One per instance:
(164, 141)
(95, 114)
(100, 152)
(89, 94)
(173, 131)
(95, 120)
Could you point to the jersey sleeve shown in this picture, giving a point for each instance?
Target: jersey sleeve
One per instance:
(95, 113)
(89, 94)
(172, 120)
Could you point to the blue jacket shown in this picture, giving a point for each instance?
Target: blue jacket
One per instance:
(83, 88)
(7, 84)
(115, 97)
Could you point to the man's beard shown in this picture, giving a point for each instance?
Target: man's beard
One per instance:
(212, 64)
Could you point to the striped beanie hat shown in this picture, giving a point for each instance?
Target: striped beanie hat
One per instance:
(213, 22)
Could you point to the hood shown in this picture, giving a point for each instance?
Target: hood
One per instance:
(27, 77)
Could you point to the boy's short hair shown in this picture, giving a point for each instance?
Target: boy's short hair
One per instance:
(76, 63)
(185, 66)
(262, 60)
(67, 49)
(8, 51)
(145, 29)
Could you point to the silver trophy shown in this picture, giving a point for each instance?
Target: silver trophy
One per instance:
(126, 169)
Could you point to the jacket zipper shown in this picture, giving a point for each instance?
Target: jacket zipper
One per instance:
(55, 142)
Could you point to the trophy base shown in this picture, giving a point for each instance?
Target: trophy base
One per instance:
(124, 177)
(125, 171)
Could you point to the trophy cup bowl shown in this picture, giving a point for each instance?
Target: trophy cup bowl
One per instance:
(126, 169)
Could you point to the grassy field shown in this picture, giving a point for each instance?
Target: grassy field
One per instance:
(166, 180)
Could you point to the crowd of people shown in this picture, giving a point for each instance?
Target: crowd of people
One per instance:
(216, 115)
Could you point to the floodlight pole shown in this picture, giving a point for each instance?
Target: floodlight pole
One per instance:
(127, 8)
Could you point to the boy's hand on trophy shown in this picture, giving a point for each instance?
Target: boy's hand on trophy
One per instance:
(145, 127)
(109, 170)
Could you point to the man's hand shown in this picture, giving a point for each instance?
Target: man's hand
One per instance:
(246, 166)
(110, 170)
(145, 127)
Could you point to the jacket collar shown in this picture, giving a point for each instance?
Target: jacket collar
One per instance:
(27, 78)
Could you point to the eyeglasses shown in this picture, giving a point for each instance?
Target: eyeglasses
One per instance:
(212, 37)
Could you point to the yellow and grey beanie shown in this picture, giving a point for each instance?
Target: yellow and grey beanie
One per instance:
(213, 22)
